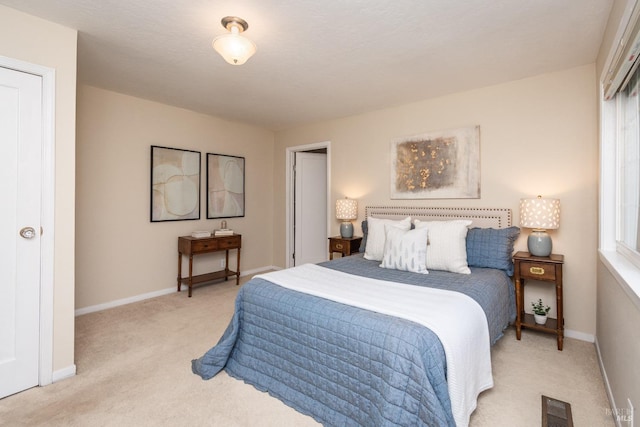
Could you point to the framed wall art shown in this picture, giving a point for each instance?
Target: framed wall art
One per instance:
(175, 184)
(437, 165)
(225, 186)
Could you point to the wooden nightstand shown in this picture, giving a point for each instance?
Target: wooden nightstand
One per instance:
(346, 246)
(546, 269)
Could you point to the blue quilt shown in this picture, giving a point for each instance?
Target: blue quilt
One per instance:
(343, 365)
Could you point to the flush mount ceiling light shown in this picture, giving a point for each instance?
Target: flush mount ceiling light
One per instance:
(234, 48)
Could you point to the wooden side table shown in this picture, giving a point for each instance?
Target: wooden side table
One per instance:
(346, 246)
(190, 246)
(546, 269)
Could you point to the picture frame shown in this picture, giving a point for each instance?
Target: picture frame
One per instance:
(175, 184)
(437, 165)
(225, 186)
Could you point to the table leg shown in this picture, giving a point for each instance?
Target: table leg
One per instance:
(238, 269)
(190, 274)
(519, 308)
(560, 341)
(560, 313)
(226, 265)
(179, 270)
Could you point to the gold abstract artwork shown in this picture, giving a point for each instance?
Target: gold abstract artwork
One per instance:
(425, 164)
(443, 164)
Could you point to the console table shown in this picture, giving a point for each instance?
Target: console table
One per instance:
(190, 246)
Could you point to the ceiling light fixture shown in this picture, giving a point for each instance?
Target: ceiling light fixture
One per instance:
(234, 48)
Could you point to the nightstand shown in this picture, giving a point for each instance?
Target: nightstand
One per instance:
(346, 246)
(546, 269)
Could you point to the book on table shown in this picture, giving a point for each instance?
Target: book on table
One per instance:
(223, 232)
(200, 234)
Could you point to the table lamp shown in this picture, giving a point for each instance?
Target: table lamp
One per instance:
(346, 210)
(540, 215)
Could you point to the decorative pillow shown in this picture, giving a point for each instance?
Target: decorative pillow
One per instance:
(374, 249)
(447, 248)
(492, 248)
(405, 250)
(363, 242)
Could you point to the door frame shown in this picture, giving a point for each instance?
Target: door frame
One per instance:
(290, 196)
(48, 75)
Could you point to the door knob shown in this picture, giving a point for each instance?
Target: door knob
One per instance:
(28, 232)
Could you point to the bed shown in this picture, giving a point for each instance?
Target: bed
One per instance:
(376, 338)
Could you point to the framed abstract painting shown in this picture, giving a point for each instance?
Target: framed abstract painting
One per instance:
(437, 165)
(225, 186)
(175, 184)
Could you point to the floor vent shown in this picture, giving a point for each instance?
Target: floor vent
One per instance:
(556, 413)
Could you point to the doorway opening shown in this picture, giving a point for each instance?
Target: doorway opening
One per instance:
(321, 201)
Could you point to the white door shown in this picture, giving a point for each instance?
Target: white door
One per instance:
(310, 226)
(20, 192)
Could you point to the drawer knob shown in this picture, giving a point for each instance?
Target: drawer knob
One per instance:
(536, 270)
(339, 245)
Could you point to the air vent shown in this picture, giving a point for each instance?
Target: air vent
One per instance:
(556, 413)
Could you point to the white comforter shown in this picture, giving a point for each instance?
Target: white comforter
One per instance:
(457, 320)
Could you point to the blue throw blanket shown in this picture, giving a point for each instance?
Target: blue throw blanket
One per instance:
(343, 365)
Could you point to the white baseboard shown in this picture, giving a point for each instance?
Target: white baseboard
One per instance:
(607, 385)
(136, 298)
(259, 270)
(123, 301)
(579, 335)
(64, 373)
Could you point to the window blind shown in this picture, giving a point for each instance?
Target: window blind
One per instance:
(625, 60)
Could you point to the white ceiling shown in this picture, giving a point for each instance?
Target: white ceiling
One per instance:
(319, 60)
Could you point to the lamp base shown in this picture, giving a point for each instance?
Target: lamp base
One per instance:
(346, 230)
(539, 243)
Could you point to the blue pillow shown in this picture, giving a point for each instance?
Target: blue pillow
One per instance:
(492, 248)
(363, 243)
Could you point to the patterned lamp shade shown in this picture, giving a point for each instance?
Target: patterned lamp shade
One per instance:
(346, 209)
(539, 213)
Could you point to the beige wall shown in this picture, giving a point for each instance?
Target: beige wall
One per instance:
(538, 136)
(618, 335)
(40, 42)
(618, 340)
(120, 253)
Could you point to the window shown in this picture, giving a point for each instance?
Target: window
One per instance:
(619, 246)
(628, 166)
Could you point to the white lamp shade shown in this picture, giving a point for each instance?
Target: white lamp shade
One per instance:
(346, 209)
(540, 214)
(234, 48)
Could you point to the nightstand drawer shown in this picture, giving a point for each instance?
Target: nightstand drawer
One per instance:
(537, 271)
(340, 246)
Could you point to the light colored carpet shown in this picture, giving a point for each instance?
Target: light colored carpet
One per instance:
(134, 369)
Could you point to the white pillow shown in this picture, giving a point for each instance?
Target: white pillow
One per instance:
(447, 246)
(376, 235)
(405, 250)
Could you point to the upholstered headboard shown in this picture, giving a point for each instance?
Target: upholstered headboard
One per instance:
(480, 217)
